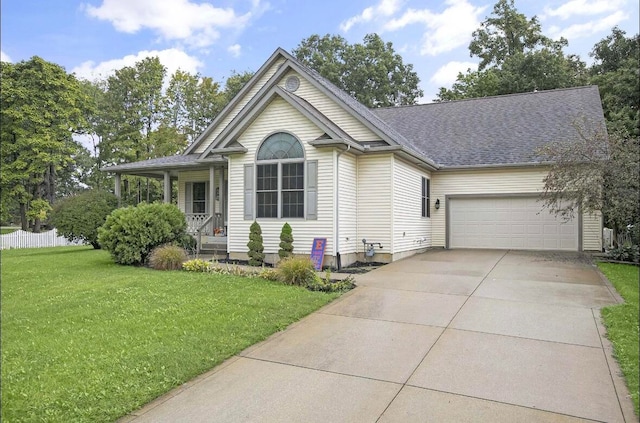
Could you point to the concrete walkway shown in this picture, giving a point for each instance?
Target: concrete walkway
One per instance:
(462, 335)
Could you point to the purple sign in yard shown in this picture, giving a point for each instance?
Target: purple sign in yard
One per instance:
(317, 252)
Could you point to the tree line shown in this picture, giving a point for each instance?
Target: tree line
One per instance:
(133, 115)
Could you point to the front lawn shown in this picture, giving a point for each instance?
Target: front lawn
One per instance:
(622, 322)
(84, 339)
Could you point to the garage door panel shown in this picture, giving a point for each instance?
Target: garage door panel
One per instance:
(508, 223)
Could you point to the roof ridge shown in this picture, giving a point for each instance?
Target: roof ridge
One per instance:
(487, 97)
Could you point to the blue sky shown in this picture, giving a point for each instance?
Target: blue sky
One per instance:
(94, 37)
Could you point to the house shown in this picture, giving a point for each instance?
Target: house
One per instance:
(292, 147)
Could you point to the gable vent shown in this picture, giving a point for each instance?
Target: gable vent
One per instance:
(292, 83)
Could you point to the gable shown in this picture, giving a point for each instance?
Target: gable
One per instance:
(328, 107)
(226, 116)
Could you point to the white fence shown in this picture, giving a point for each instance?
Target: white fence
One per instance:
(22, 239)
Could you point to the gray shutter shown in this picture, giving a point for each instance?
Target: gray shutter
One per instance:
(248, 192)
(312, 189)
(188, 197)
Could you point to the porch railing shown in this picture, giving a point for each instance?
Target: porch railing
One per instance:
(202, 222)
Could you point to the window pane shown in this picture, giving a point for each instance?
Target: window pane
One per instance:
(267, 204)
(293, 204)
(267, 177)
(292, 176)
(280, 146)
(199, 191)
(198, 207)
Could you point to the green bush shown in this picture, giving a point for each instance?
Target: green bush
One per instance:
(167, 257)
(256, 247)
(325, 284)
(626, 252)
(269, 274)
(187, 242)
(286, 242)
(296, 271)
(78, 218)
(196, 265)
(130, 233)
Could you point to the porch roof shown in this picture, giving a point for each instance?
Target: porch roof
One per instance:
(155, 168)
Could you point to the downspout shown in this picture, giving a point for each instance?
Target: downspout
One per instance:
(337, 217)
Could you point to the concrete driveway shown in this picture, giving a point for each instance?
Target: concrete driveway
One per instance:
(460, 335)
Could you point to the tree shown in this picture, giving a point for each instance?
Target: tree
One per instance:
(255, 245)
(504, 34)
(370, 72)
(42, 106)
(234, 84)
(595, 173)
(78, 218)
(191, 103)
(515, 57)
(615, 72)
(130, 124)
(286, 241)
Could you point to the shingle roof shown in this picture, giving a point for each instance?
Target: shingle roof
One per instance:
(159, 163)
(497, 130)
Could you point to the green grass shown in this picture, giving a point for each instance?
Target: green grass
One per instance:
(622, 322)
(84, 339)
(7, 230)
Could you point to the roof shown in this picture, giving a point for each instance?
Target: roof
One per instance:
(501, 130)
(490, 131)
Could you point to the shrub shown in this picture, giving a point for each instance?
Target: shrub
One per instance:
(167, 257)
(296, 271)
(78, 218)
(187, 242)
(325, 284)
(626, 252)
(269, 274)
(256, 248)
(130, 233)
(196, 265)
(286, 242)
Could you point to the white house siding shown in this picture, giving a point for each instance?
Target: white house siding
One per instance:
(247, 97)
(495, 181)
(331, 109)
(411, 231)
(348, 204)
(592, 232)
(280, 116)
(375, 196)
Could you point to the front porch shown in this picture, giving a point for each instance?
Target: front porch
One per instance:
(201, 193)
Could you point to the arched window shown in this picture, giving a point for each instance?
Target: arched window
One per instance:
(280, 177)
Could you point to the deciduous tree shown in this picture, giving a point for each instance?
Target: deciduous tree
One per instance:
(42, 106)
(371, 72)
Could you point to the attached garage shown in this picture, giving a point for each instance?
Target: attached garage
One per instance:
(513, 222)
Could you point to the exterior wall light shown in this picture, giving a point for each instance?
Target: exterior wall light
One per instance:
(437, 205)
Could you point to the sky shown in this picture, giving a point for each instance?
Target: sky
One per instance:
(92, 38)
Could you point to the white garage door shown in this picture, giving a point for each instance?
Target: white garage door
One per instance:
(508, 223)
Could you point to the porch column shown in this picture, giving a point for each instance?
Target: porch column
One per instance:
(167, 187)
(212, 190)
(117, 191)
(223, 203)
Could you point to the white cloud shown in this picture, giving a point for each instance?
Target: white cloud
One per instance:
(4, 57)
(446, 75)
(583, 7)
(173, 59)
(383, 9)
(586, 29)
(445, 31)
(197, 24)
(235, 50)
